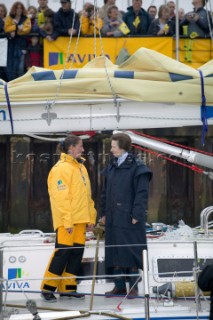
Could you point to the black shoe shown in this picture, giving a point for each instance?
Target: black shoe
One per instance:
(115, 292)
(72, 295)
(48, 296)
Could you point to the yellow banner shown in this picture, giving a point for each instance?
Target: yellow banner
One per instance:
(193, 52)
(55, 53)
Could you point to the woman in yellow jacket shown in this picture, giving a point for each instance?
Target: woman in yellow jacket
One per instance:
(17, 25)
(88, 23)
(72, 209)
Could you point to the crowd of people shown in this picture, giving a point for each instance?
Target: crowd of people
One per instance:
(26, 28)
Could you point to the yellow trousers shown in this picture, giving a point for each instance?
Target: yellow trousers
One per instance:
(65, 262)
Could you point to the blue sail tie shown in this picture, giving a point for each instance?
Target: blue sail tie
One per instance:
(203, 109)
(9, 107)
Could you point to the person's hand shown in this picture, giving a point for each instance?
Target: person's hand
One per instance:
(49, 38)
(114, 23)
(12, 34)
(84, 13)
(134, 221)
(15, 21)
(90, 227)
(102, 220)
(161, 32)
(189, 17)
(196, 17)
(109, 33)
(69, 230)
(72, 31)
(20, 27)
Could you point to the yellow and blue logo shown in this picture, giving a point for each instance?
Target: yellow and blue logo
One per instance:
(56, 58)
(14, 273)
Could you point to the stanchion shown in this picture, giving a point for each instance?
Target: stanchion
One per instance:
(146, 283)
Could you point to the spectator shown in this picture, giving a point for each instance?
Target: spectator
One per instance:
(103, 11)
(47, 30)
(42, 7)
(196, 22)
(3, 13)
(171, 6)
(66, 20)
(32, 14)
(88, 22)
(34, 53)
(152, 11)
(123, 211)
(162, 26)
(181, 13)
(113, 24)
(137, 19)
(17, 26)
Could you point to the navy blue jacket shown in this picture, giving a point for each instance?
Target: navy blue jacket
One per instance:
(125, 194)
(145, 20)
(63, 21)
(124, 197)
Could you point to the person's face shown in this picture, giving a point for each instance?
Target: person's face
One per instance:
(113, 14)
(76, 151)
(34, 41)
(19, 10)
(2, 12)
(65, 5)
(181, 14)
(152, 12)
(116, 151)
(137, 4)
(165, 14)
(32, 13)
(197, 3)
(171, 6)
(42, 3)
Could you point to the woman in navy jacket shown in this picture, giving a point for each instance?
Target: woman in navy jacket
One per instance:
(124, 208)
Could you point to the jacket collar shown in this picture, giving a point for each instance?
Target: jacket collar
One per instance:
(67, 158)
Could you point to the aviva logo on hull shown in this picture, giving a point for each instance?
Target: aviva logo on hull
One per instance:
(14, 273)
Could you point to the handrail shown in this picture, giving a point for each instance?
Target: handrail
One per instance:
(204, 218)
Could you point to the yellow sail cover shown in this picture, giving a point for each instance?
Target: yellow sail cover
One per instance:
(146, 76)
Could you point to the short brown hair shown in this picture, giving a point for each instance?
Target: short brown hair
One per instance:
(64, 145)
(123, 139)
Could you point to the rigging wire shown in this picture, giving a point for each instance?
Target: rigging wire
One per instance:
(68, 55)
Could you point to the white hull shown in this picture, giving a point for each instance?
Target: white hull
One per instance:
(32, 259)
(65, 116)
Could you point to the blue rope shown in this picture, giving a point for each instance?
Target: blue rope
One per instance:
(203, 109)
(4, 114)
(9, 107)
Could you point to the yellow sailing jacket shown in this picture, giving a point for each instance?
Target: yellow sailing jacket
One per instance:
(70, 193)
(10, 26)
(88, 26)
